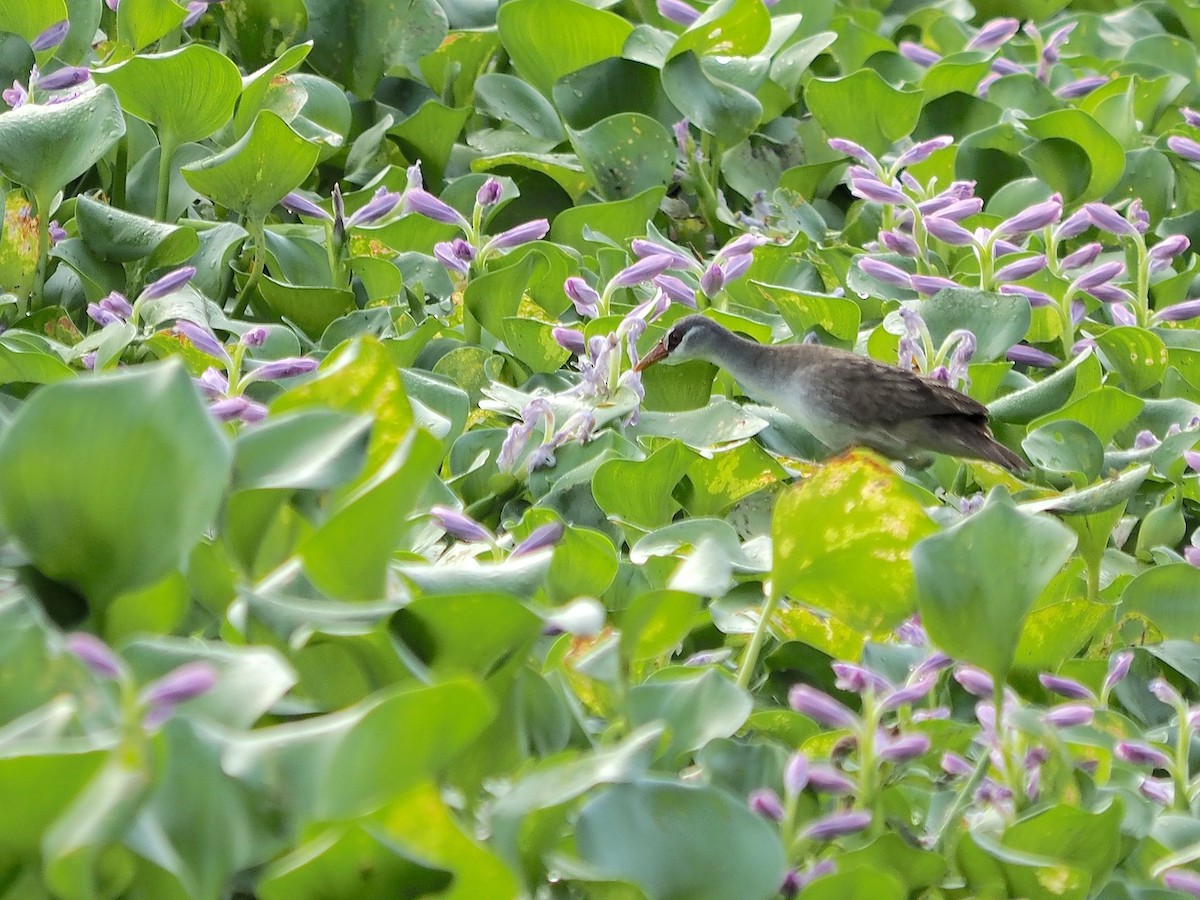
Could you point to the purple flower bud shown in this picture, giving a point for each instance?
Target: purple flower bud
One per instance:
(1080, 87)
(1140, 754)
(540, 538)
(1190, 116)
(643, 248)
(1034, 218)
(1084, 256)
(278, 369)
(904, 748)
(993, 34)
(168, 284)
(742, 245)
(116, 303)
(375, 209)
(583, 296)
(948, 231)
(569, 339)
(1179, 312)
(1193, 459)
(931, 284)
(1110, 293)
(677, 11)
(1066, 687)
(791, 885)
(489, 193)
(425, 204)
(1184, 147)
(1121, 314)
(737, 266)
(61, 79)
(183, 683)
(961, 209)
(884, 271)
(820, 707)
(1185, 881)
(1191, 555)
(15, 96)
(1161, 791)
(1022, 268)
(1073, 226)
(1168, 248)
(974, 680)
(858, 679)
(854, 151)
(676, 289)
(229, 408)
(940, 374)
(213, 384)
(899, 243)
(953, 764)
(1165, 693)
(712, 280)
(1036, 298)
(1068, 715)
(766, 803)
(867, 185)
(1108, 219)
(517, 235)
(1099, 275)
(1144, 440)
(795, 774)
(459, 526)
(51, 37)
(302, 206)
(915, 53)
(94, 653)
(992, 793)
(918, 153)
(201, 338)
(837, 825)
(683, 136)
(642, 270)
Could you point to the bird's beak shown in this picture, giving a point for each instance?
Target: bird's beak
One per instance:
(658, 352)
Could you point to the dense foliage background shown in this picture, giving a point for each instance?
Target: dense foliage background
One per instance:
(345, 554)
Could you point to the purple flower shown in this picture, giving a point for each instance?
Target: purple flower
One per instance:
(375, 209)
(918, 153)
(993, 34)
(254, 337)
(458, 526)
(1167, 249)
(425, 204)
(1066, 687)
(1178, 312)
(168, 284)
(974, 680)
(183, 683)
(953, 764)
(1036, 298)
(676, 289)
(948, 231)
(61, 79)
(1140, 754)
(916, 690)
(201, 338)
(837, 825)
(904, 748)
(820, 707)
(278, 369)
(915, 53)
(737, 266)
(1084, 256)
(795, 774)
(930, 284)
(683, 136)
(94, 653)
(540, 538)
(51, 37)
(240, 408)
(677, 11)
(1024, 355)
(583, 296)
(1034, 218)
(1102, 273)
(1193, 459)
(300, 205)
(489, 193)
(1190, 116)
(1073, 226)
(1183, 880)
(213, 384)
(853, 150)
(1121, 314)
(1080, 87)
(1110, 293)
(1165, 693)
(1108, 219)
(1068, 715)
(791, 885)
(195, 10)
(642, 270)
(766, 803)
(1184, 147)
(900, 243)
(1159, 790)
(1022, 268)
(15, 96)
(858, 679)
(455, 255)
(569, 339)
(742, 245)
(712, 280)
(643, 248)
(867, 185)
(517, 235)
(885, 272)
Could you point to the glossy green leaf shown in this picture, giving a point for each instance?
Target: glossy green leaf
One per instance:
(1136, 354)
(997, 320)
(142, 22)
(585, 35)
(695, 706)
(1165, 596)
(727, 28)
(626, 155)
(726, 111)
(658, 474)
(310, 449)
(1066, 447)
(119, 236)
(864, 108)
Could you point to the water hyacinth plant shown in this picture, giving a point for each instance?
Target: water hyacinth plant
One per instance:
(338, 509)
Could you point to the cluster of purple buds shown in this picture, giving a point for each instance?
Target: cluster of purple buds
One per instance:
(58, 85)
(116, 309)
(375, 210)
(949, 364)
(539, 414)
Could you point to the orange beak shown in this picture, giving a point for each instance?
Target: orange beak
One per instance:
(658, 352)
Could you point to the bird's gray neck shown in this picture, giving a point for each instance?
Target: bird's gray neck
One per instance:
(747, 361)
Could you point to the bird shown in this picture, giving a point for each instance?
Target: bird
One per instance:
(843, 399)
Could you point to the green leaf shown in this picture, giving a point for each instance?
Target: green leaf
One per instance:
(675, 840)
(619, 220)
(125, 530)
(583, 35)
(356, 41)
(656, 476)
(186, 94)
(997, 320)
(466, 633)
(842, 540)
(1136, 354)
(1166, 596)
(695, 706)
(45, 782)
(968, 612)
(511, 100)
(254, 174)
(310, 308)
(1038, 399)
(717, 107)
(258, 28)
(1066, 447)
(656, 623)
(864, 108)
(45, 146)
(727, 28)
(805, 310)
(142, 22)
(119, 236)
(1074, 154)
(626, 154)
(311, 449)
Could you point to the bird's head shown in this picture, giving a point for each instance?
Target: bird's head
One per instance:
(693, 337)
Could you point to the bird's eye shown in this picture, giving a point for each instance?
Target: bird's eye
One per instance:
(674, 336)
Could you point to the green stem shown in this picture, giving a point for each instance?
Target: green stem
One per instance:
(754, 648)
(1067, 324)
(116, 189)
(166, 152)
(1142, 306)
(37, 299)
(1183, 741)
(965, 793)
(256, 269)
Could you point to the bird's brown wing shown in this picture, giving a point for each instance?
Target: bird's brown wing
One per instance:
(870, 392)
